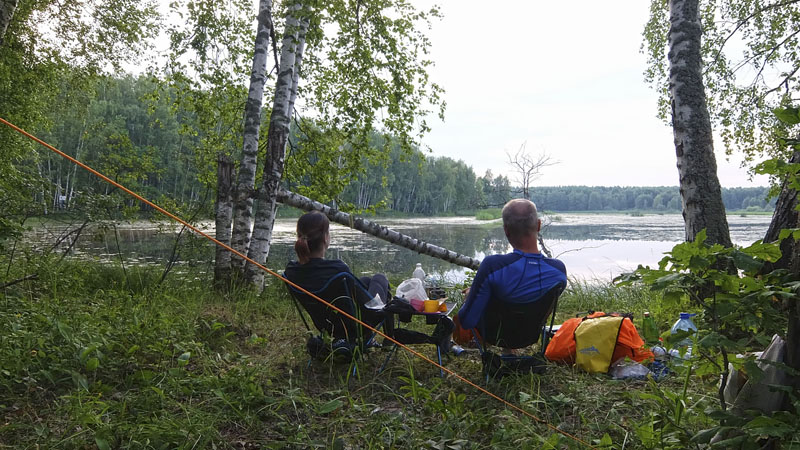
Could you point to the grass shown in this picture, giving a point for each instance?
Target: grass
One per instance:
(94, 357)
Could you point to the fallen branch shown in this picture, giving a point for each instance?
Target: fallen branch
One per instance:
(32, 276)
(379, 231)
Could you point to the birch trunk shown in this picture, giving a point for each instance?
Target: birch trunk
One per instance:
(7, 8)
(381, 232)
(285, 94)
(223, 210)
(701, 196)
(246, 179)
(786, 216)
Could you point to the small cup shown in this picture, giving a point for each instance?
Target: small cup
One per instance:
(431, 306)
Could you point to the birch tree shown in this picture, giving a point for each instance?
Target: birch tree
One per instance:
(363, 65)
(285, 94)
(701, 195)
(750, 67)
(359, 68)
(7, 8)
(243, 201)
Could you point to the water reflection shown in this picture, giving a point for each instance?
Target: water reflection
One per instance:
(592, 246)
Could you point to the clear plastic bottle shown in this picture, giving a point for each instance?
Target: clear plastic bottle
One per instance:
(419, 273)
(684, 323)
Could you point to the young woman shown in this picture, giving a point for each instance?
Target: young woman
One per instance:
(312, 270)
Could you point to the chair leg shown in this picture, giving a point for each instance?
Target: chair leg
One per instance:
(386, 361)
(439, 355)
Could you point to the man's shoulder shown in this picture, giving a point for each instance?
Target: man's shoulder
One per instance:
(556, 263)
(494, 262)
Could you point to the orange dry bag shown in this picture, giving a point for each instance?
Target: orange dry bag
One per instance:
(595, 351)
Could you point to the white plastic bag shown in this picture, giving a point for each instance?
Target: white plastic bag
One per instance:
(623, 369)
(375, 303)
(411, 289)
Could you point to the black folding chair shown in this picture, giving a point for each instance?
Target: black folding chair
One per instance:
(348, 338)
(513, 326)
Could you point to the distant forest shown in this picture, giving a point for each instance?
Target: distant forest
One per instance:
(134, 133)
(440, 185)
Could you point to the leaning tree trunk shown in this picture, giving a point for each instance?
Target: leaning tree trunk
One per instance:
(285, 92)
(7, 8)
(245, 182)
(379, 231)
(786, 216)
(701, 194)
(222, 216)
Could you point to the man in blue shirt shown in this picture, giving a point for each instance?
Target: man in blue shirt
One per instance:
(521, 276)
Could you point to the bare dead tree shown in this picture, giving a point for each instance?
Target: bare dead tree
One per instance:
(528, 167)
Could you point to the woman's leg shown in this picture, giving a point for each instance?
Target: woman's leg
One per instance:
(379, 284)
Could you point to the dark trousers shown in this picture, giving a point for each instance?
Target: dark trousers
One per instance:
(379, 284)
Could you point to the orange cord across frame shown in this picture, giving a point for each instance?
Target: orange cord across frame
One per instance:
(277, 275)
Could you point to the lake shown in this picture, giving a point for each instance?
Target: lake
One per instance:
(593, 246)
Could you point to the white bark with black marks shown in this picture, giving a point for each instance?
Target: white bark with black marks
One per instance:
(222, 220)
(701, 194)
(379, 231)
(245, 182)
(285, 93)
(7, 8)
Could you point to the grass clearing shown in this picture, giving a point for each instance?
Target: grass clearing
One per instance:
(90, 358)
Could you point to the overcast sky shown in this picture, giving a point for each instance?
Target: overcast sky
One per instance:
(564, 77)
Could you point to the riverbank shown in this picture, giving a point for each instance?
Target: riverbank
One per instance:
(95, 355)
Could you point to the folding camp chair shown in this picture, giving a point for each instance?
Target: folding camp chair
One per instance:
(348, 337)
(512, 326)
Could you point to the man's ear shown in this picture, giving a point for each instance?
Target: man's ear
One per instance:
(539, 225)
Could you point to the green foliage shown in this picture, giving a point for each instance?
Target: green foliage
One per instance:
(741, 310)
(489, 214)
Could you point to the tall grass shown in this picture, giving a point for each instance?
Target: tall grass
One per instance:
(94, 356)
(584, 296)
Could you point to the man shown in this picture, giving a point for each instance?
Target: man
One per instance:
(519, 277)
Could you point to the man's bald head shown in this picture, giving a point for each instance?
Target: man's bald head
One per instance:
(520, 219)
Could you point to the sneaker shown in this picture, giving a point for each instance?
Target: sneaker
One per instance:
(342, 350)
(316, 347)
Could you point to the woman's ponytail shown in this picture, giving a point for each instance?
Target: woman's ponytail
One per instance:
(302, 250)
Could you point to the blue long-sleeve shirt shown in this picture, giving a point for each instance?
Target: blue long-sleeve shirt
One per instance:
(516, 277)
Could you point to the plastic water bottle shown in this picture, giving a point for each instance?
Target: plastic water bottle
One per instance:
(419, 273)
(684, 347)
(649, 329)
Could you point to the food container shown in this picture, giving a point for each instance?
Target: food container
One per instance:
(431, 306)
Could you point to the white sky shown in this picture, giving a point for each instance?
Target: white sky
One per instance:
(565, 77)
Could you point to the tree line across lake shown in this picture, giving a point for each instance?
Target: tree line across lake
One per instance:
(126, 131)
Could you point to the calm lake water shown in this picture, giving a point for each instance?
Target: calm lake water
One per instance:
(593, 246)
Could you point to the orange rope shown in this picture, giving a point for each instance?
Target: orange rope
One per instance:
(300, 288)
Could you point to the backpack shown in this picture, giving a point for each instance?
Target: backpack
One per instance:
(595, 341)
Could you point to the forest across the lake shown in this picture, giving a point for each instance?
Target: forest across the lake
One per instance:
(121, 128)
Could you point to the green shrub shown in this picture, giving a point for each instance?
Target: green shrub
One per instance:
(489, 214)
